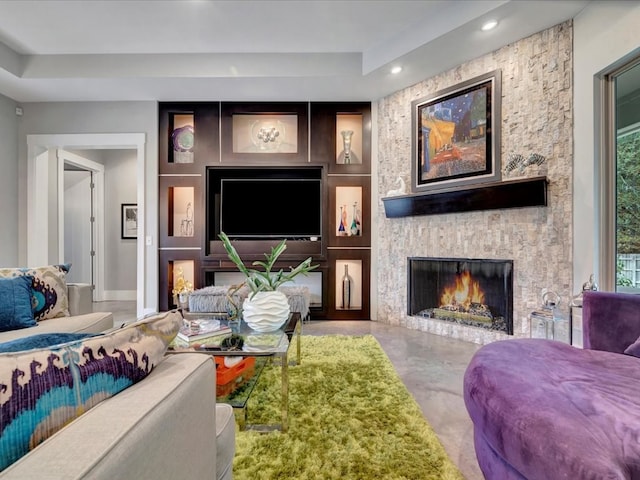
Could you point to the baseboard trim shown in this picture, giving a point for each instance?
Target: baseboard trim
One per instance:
(120, 295)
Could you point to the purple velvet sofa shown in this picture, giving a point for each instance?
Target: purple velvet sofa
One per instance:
(543, 409)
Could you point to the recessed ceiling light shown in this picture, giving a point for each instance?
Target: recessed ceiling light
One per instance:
(489, 25)
(396, 70)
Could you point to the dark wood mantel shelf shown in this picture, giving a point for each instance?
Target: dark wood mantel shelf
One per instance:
(526, 192)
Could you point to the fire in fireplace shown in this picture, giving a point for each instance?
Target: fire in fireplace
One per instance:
(474, 292)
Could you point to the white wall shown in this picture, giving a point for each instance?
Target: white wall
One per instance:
(99, 118)
(8, 183)
(120, 187)
(604, 32)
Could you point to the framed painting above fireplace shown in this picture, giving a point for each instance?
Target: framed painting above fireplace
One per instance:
(456, 135)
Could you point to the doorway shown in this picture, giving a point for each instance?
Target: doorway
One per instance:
(81, 220)
(43, 237)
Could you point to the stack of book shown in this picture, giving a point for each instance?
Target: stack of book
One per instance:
(193, 331)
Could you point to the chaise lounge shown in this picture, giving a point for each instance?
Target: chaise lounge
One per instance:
(542, 409)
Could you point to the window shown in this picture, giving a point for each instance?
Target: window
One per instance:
(620, 169)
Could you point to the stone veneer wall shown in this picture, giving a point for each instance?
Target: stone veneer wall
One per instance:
(537, 116)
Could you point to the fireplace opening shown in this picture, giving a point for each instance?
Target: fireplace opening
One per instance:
(474, 292)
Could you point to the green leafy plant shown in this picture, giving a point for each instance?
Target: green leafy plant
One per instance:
(621, 279)
(265, 280)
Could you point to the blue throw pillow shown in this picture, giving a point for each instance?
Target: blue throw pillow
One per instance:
(42, 340)
(15, 303)
(48, 289)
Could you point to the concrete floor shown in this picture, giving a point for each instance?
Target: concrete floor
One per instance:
(430, 366)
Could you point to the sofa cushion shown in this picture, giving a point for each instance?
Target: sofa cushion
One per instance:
(96, 322)
(49, 289)
(43, 389)
(41, 340)
(15, 303)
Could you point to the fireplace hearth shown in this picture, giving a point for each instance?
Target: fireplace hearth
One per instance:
(473, 292)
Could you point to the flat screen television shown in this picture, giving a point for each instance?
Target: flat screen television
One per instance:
(260, 208)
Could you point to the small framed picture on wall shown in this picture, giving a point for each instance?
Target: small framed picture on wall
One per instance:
(129, 220)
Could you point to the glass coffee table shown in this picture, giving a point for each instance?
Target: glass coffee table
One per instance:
(261, 347)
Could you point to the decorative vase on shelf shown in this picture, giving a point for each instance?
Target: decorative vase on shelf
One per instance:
(183, 140)
(183, 300)
(186, 224)
(347, 283)
(354, 223)
(347, 156)
(342, 228)
(266, 311)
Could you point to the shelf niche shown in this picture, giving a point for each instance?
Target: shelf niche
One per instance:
(528, 192)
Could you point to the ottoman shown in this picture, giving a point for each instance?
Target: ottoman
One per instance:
(216, 298)
(542, 409)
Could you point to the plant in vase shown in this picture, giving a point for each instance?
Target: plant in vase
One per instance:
(266, 309)
(234, 309)
(181, 290)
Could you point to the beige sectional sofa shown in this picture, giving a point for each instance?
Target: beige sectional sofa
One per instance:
(166, 426)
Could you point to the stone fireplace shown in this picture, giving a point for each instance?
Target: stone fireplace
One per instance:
(537, 116)
(472, 292)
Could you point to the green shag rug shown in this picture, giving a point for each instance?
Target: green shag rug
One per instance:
(350, 417)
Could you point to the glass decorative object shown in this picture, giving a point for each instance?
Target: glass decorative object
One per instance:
(267, 135)
(186, 225)
(182, 140)
(347, 156)
(342, 227)
(183, 300)
(548, 322)
(541, 324)
(347, 283)
(355, 227)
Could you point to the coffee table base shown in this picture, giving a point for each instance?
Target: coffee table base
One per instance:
(279, 353)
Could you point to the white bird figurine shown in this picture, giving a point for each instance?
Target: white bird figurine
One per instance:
(401, 190)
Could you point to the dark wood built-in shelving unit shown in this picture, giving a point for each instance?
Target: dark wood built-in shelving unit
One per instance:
(219, 141)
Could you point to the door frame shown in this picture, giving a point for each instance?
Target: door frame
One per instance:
(65, 157)
(37, 237)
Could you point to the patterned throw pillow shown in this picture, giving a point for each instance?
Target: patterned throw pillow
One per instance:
(15, 303)
(43, 389)
(49, 290)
